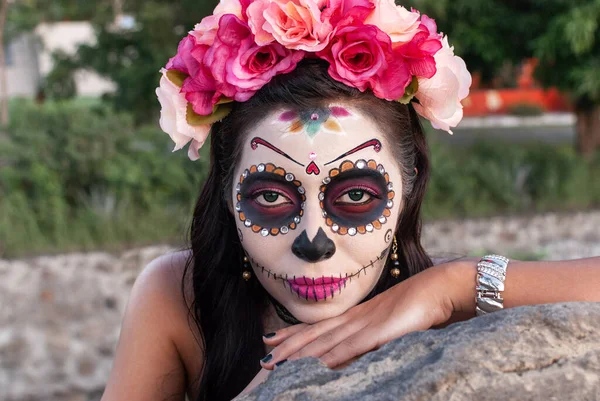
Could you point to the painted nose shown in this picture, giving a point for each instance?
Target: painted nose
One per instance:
(320, 248)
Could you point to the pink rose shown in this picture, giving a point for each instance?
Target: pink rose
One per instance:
(206, 30)
(173, 120)
(296, 24)
(347, 12)
(399, 23)
(440, 96)
(419, 52)
(240, 66)
(362, 57)
(256, 65)
(184, 60)
(199, 87)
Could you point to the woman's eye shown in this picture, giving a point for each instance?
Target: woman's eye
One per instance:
(270, 198)
(355, 196)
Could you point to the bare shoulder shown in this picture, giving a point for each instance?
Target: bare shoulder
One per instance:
(158, 354)
(165, 275)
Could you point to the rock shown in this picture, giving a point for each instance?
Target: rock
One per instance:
(547, 352)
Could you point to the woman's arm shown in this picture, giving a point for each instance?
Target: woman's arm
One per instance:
(148, 365)
(531, 283)
(433, 298)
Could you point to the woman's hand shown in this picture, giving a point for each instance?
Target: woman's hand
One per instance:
(423, 301)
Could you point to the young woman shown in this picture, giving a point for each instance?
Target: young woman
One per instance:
(305, 239)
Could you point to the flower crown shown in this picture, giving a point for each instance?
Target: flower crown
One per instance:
(369, 44)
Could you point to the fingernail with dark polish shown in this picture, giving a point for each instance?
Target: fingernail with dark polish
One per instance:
(270, 335)
(281, 363)
(267, 358)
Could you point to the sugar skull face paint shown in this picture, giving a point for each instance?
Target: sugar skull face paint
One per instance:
(357, 198)
(314, 271)
(270, 200)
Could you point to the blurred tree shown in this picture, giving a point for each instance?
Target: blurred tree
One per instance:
(563, 35)
(133, 56)
(19, 16)
(3, 83)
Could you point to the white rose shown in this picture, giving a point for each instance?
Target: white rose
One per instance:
(440, 96)
(173, 118)
(399, 23)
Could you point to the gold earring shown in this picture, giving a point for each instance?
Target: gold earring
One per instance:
(395, 272)
(247, 274)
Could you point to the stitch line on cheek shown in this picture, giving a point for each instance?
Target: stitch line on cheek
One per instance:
(305, 295)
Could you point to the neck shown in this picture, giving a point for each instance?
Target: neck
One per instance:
(283, 313)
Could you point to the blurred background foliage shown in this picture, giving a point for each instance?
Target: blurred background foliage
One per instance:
(84, 174)
(77, 176)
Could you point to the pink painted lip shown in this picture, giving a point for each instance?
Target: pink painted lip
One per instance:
(317, 289)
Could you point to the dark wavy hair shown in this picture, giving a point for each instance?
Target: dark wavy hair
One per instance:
(227, 310)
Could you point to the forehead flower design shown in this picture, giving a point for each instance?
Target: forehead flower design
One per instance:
(371, 45)
(312, 121)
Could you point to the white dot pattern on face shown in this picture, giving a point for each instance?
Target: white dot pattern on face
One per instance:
(269, 231)
(389, 203)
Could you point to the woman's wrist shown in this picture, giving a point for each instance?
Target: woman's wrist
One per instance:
(461, 277)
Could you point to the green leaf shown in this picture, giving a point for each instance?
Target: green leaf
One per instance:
(411, 91)
(177, 77)
(219, 112)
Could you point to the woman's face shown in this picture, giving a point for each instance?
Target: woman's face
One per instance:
(316, 199)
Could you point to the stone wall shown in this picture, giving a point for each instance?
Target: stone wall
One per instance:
(60, 315)
(59, 322)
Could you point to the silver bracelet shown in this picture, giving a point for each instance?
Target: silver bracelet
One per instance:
(491, 273)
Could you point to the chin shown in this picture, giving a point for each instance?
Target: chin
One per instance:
(312, 312)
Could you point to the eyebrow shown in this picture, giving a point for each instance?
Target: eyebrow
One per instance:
(259, 141)
(372, 142)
